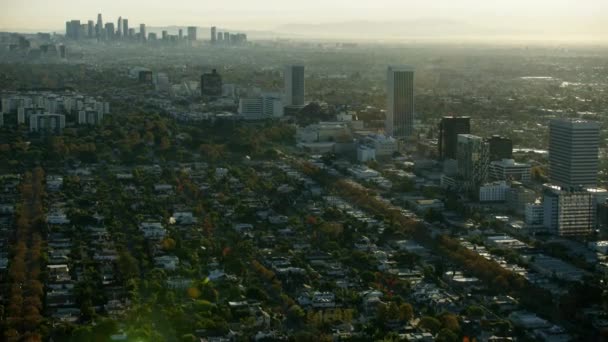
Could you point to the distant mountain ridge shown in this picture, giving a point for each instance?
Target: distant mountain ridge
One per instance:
(422, 28)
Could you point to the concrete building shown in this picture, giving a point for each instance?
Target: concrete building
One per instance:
(73, 30)
(211, 84)
(494, 192)
(294, 85)
(573, 153)
(142, 32)
(534, 214)
(569, 212)
(518, 197)
(509, 170)
(400, 107)
(90, 117)
(24, 105)
(119, 32)
(384, 146)
(109, 31)
(324, 132)
(90, 29)
(365, 153)
(500, 148)
(47, 123)
(213, 35)
(161, 82)
(266, 106)
(192, 33)
(229, 90)
(473, 160)
(99, 27)
(363, 172)
(125, 27)
(449, 128)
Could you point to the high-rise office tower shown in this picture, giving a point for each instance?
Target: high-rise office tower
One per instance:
(573, 153)
(449, 128)
(180, 34)
(220, 37)
(165, 35)
(400, 108)
(142, 32)
(211, 84)
(192, 33)
(119, 27)
(62, 51)
(213, 34)
(473, 155)
(109, 31)
(294, 85)
(74, 31)
(125, 27)
(47, 123)
(99, 25)
(227, 37)
(90, 29)
(500, 148)
(82, 33)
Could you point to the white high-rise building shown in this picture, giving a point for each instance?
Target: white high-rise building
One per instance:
(142, 32)
(534, 214)
(569, 212)
(573, 153)
(99, 27)
(89, 117)
(20, 115)
(294, 85)
(125, 27)
(119, 28)
(494, 192)
(47, 123)
(400, 107)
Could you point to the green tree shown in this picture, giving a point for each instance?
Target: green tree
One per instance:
(430, 324)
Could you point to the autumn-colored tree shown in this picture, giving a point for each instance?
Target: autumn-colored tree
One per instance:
(168, 244)
(406, 312)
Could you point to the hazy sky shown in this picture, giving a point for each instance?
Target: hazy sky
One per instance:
(583, 16)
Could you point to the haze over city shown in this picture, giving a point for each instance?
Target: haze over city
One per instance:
(312, 171)
(559, 20)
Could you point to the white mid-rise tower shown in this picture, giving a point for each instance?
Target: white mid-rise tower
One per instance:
(573, 153)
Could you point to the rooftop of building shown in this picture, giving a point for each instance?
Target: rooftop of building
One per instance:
(402, 67)
(509, 162)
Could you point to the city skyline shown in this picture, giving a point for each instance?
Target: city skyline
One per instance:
(468, 19)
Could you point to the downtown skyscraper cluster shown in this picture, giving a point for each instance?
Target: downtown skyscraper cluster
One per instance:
(121, 31)
(75, 30)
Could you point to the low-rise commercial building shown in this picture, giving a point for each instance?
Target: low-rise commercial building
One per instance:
(509, 170)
